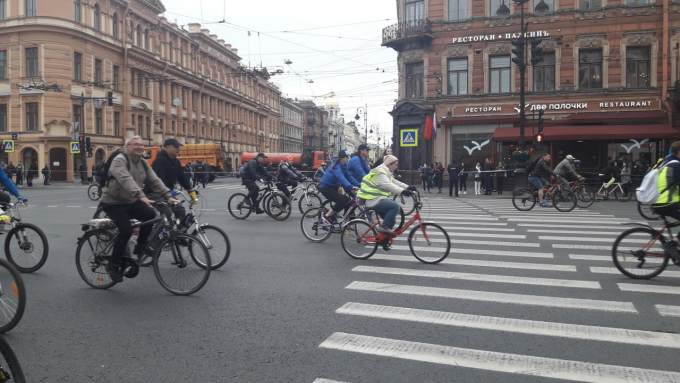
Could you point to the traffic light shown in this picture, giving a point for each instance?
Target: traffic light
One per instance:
(88, 145)
(539, 138)
(109, 98)
(518, 51)
(540, 120)
(536, 51)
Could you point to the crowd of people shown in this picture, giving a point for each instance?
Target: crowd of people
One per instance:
(487, 177)
(20, 174)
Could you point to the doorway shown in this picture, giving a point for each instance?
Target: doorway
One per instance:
(58, 164)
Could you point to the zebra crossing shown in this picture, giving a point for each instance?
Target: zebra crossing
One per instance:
(537, 277)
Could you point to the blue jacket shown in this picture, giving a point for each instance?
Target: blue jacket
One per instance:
(358, 167)
(9, 185)
(338, 175)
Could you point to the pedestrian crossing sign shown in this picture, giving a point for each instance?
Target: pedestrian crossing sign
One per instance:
(409, 138)
(75, 147)
(8, 146)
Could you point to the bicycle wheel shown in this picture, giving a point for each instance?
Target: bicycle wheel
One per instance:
(639, 253)
(12, 297)
(429, 243)
(308, 201)
(94, 192)
(217, 242)
(647, 212)
(358, 239)
(584, 198)
(92, 255)
(10, 368)
(182, 264)
(239, 206)
(614, 194)
(278, 206)
(314, 227)
(523, 199)
(408, 204)
(564, 200)
(26, 247)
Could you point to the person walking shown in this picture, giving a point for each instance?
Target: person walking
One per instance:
(478, 179)
(46, 175)
(439, 174)
(423, 174)
(454, 172)
(31, 172)
(500, 177)
(487, 176)
(462, 178)
(20, 174)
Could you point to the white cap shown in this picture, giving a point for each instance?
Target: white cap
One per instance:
(570, 157)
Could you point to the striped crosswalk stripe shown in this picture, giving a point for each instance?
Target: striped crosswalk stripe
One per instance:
(606, 258)
(322, 380)
(479, 243)
(613, 270)
(482, 235)
(568, 220)
(495, 361)
(480, 263)
(590, 239)
(668, 311)
(640, 288)
(621, 227)
(467, 228)
(585, 232)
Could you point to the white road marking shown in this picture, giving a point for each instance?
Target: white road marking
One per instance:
(569, 220)
(475, 262)
(605, 258)
(452, 217)
(52, 206)
(322, 380)
(613, 270)
(467, 228)
(668, 311)
(479, 277)
(621, 227)
(522, 326)
(73, 207)
(590, 239)
(487, 235)
(640, 288)
(473, 242)
(584, 232)
(495, 361)
(570, 216)
(489, 296)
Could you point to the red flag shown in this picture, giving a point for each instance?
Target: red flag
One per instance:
(427, 132)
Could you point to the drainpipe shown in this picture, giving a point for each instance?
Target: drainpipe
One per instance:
(665, 57)
(126, 93)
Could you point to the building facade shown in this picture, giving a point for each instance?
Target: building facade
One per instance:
(316, 126)
(606, 85)
(60, 58)
(292, 129)
(352, 139)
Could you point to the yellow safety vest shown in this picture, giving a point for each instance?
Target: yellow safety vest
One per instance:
(368, 190)
(666, 195)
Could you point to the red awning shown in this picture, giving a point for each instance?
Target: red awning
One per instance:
(590, 132)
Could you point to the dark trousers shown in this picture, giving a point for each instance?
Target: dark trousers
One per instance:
(20, 179)
(500, 181)
(453, 186)
(487, 184)
(46, 179)
(672, 211)
(283, 187)
(332, 194)
(463, 183)
(253, 191)
(121, 216)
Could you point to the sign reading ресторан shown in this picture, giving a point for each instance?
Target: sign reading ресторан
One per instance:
(573, 106)
(498, 37)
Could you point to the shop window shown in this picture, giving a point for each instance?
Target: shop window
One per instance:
(31, 116)
(499, 8)
(3, 65)
(415, 11)
(542, 7)
(3, 117)
(32, 67)
(499, 74)
(636, 3)
(544, 73)
(98, 122)
(590, 69)
(116, 124)
(98, 80)
(589, 5)
(415, 80)
(637, 67)
(458, 77)
(77, 11)
(30, 7)
(459, 10)
(97, 22)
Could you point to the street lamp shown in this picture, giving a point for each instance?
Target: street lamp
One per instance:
(357, 117)
(520, 60)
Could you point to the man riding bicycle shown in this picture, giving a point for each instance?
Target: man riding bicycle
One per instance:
(288, 176)
(539, 176)
(253, 171)
(11, 188)
(358, 164)
(565, 171)
(336, 176)
(124, 199)
(668, 185)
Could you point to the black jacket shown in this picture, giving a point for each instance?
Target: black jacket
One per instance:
(254, 171)
(170, 171)
(288, 173)
(542, 170)
(454, 171)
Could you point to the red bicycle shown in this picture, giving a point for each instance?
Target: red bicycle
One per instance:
(427, 241)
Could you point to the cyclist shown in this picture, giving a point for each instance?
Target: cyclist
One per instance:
(252, 171)
(124, 199)
(170, 171)
(376, 189)
(337, 176)
(668, 185)
(358, 164)
(565, 171)
(288, 176)
(11, 188)
(321, 171)
(539, 176)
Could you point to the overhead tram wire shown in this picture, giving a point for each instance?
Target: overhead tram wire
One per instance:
(333, 26)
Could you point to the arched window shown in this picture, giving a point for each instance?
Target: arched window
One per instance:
(78, 11)
(139, 35)
(114, 26)
(97, 18)
(146, 39)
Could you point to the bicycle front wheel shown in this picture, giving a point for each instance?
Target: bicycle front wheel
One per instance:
(239, 206)
(639, 253)
(217, 242)
(26, 247)
(10, 362)
(308, 201)
(358, 239)
(314, 227)
(523, 199)
(429, 243)
(182, 264)
(647, 212)
(12, 297)
(94, 192)
(564, 200)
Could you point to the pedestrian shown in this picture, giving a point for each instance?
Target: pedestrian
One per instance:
(423, 174)
(454, 172)
(487, 177)
(20, 174)
(189, 170)
(439, 173)
(500, 177)
(462, 178)
(626, 178)
(11, 170)
(46, 175)
(201, 174)
(478, 179)
(83, 174)
(30, 174)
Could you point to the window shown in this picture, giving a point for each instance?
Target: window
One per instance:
(499, 74)
(3, 117)
(3, 5)
(140, 126)
(29, 6)
(139, 35)
(77, 11)
(3, 65)
(499, 8)
(114, 26)
(161, 92)
(32, 116)
(116, 78)
(458, 77)
(32, 69)
(148, 127)
(415, 10)
(588, 5)
(98, 127)
(97, 18)
(542, 7)
(590, 69)
(634, 3)
(116, 124)
(459, 10)
(98, 72)
(146, 39)
(77, 117)
(77, 66)
(140, 85)
(544, 73)
(414, 80)
(637, 67)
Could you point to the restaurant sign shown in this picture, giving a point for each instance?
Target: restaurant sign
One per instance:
(498, 37)
(580, 106)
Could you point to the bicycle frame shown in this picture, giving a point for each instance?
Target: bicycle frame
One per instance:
(383, 237)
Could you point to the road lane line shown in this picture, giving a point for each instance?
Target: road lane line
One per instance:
(566, 220)
(590, 239)
(489, 296)
(479, 277)
(480, 263)
(522, 326)
(606, 258)
(322, 380)
(613, 270)
(622, 227)
(467, 228)
(584, 232)
(479, 243)
(668, 310)
(657, 289)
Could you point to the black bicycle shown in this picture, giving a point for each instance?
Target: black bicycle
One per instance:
(271, 200)
(180, 261)
(26, 245)
(10, 368)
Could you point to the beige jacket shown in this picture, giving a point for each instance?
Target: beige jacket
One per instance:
(384, 180)
(126, 187)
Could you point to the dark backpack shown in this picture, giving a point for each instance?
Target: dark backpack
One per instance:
(104, 172)
(532, 165)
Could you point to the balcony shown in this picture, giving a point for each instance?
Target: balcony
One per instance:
(405, 34)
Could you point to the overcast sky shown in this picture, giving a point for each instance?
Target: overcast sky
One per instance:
(334, 47)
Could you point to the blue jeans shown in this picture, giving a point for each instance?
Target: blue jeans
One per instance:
(388, 210)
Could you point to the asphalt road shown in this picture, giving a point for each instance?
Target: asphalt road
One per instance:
(520, 299)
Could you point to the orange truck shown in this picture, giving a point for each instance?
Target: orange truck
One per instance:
(307, 160)
(210, 154)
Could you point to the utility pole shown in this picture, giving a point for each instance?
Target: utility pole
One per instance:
(519, 50)
(85, 142)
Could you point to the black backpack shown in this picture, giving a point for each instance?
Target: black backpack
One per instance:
(104, 172)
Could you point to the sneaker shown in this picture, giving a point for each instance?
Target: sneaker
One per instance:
(384, 230)
(544, 204)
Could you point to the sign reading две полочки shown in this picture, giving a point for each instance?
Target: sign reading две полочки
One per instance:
(498, 37)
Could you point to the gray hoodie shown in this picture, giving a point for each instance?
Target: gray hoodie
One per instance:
(125, 187)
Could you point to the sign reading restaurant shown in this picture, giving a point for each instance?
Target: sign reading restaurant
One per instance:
(498, 37)
(587, 106)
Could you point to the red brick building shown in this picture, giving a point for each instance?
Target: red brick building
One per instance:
(607, 83)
